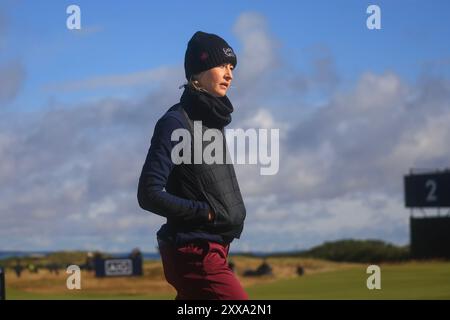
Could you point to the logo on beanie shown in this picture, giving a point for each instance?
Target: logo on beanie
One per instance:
(204, 56)
(228, 52)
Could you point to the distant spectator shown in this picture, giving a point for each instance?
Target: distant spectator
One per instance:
(89, 264)
(136, 254)
(300, 270)
(18, 269)
(263, 270)
(53, 268)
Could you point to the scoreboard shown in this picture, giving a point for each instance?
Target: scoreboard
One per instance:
(428, 190)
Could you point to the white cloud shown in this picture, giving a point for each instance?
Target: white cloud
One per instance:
(12, 77)
(259, 48)
(98, 210)
(69, 175)
(140, 78)
(341, 169)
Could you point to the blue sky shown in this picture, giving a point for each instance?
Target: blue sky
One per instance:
(123, 37)
(356, 109)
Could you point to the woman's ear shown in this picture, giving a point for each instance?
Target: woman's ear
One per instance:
(195, 80)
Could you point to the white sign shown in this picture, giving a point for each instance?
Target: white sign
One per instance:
(118, 267)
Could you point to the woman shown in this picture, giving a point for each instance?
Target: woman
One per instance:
(201, 201)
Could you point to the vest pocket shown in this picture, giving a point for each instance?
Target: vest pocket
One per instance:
(224, 216)
(218, 185)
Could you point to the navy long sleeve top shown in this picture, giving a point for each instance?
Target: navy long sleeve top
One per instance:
(152, 195)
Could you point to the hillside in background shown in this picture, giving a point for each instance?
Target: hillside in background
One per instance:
(351, 250)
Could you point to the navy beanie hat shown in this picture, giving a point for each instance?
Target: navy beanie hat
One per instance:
(206, 51)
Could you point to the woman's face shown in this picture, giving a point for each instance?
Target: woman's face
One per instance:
(217, 80)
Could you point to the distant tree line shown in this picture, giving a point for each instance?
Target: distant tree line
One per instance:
(350, 250)
(359, 251)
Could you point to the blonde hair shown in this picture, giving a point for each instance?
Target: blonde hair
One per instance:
(194, 83)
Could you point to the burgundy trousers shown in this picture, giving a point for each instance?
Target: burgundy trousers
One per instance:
(199, 270)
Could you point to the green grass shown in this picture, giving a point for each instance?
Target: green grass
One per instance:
(424, 280)
(404, 281)
(14, 294)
